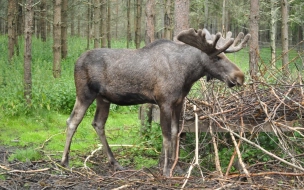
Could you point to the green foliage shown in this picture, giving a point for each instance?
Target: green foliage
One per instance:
(25, 155)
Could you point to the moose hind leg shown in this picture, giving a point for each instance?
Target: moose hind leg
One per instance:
(75, 118)
(101, 115)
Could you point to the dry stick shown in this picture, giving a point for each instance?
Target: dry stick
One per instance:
(47, 140)
(261, 148)
(216, 155)
(268, 173)
(218, 113)
(264, 107)
(88, 157)
(238, 145)
(240, 157)
(22, 171)
(196, 150)
(177, 143)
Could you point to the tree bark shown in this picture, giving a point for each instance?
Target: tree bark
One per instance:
(103, 23)
(88, 23)
(138, 24)
(42, 20)
(28, 51)
(273, 31)
(64, 29)
(72, 20)
(254, 43)
(150, 17)
(11, 28)
(57, 39)
(181, 15)
(129, 36)
(284, 33)
(206, 19)
(168, 20)
(109, 25)
(96, 23)
(224, 18)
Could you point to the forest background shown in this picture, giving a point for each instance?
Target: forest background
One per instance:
(41, 40)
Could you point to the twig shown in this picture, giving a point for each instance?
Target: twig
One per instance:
(196, 151)
(22, 171)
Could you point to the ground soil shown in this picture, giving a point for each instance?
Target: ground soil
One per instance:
(47, 174)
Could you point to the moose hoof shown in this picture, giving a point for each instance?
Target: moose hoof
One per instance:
(117, 167)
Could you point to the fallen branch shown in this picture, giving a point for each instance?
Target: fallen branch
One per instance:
(9, 170)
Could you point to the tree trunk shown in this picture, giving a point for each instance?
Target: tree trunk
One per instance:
(109, 25)
(168, 20)
(72, 20)
(224, 18)
(103, 23)
(57, 39)
(19, 26)
(64, 29)
(181, 16)
(138, 23)
(273, 31)
(150, 17)
(28, 51)
(11, 27)
(48, 23)
(129, 36)
(88, 24)
(206, 19)
(96, 23)
(42, 20)
(254, 43)
(284, 33)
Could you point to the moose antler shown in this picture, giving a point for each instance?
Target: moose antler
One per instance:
(213, 45)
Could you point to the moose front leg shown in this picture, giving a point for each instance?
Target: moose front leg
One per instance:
(175, 129)
(165, 122)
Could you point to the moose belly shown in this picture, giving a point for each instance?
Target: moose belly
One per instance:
(128, 99)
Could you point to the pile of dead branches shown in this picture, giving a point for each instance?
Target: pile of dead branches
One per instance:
(255, 104)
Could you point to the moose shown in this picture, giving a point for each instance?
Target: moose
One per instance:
(161, 73)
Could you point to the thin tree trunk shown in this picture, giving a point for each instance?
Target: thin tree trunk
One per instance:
(88, 24)
(254, 43)
(64, 29)
(129, 36)
(11, 27)
(96, 23)
(57, 39)
(206, 23)
(72, 20)
(138, 23)
(150, 16)
(168, 20)
(78, 26)
(103, 23)
(273, 31)
(181, 15)
(42, 20)
(48, 23)
(109, 25)
(224, 18)
(116, 20)
(19, 26)
(28, 51)
(284, 33)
